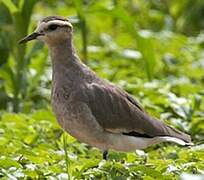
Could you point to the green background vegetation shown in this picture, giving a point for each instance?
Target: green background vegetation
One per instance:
(153, 49)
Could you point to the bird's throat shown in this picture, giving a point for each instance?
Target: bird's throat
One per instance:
(66, 65)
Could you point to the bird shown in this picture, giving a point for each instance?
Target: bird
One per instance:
(92, 109)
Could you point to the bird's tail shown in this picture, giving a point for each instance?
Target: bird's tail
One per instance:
(176, 136)
(155, 128)
(160, 139)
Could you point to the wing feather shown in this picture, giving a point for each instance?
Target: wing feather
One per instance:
(118, 112)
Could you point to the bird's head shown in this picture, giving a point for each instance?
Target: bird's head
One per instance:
(51, 30)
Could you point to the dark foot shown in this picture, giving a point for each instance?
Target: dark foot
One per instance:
(105, 154)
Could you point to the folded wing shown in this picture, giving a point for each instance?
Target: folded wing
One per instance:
(118, 112)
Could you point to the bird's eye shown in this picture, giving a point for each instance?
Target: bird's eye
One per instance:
(52, 27)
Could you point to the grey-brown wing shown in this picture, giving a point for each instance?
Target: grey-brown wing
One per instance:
(130, 99)
(118, 112)
(115, 112)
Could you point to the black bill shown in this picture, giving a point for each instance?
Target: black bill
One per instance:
(30, 37)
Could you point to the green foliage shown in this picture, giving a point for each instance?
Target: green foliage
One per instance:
(15, 72)
(152, 49)
(34, 147)
(79, 6)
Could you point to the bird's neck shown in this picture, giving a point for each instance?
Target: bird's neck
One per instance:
(66, 65)
(63, 55)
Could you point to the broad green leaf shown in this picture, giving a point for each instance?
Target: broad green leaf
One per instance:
(8, 162)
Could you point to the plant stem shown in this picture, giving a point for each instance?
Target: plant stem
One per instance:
(66, 155)
(84, 38)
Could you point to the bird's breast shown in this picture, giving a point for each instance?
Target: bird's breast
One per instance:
(60, 100)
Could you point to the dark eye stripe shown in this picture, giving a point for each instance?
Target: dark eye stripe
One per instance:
(53, 27)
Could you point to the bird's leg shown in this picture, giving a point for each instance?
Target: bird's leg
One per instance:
(105, 154)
